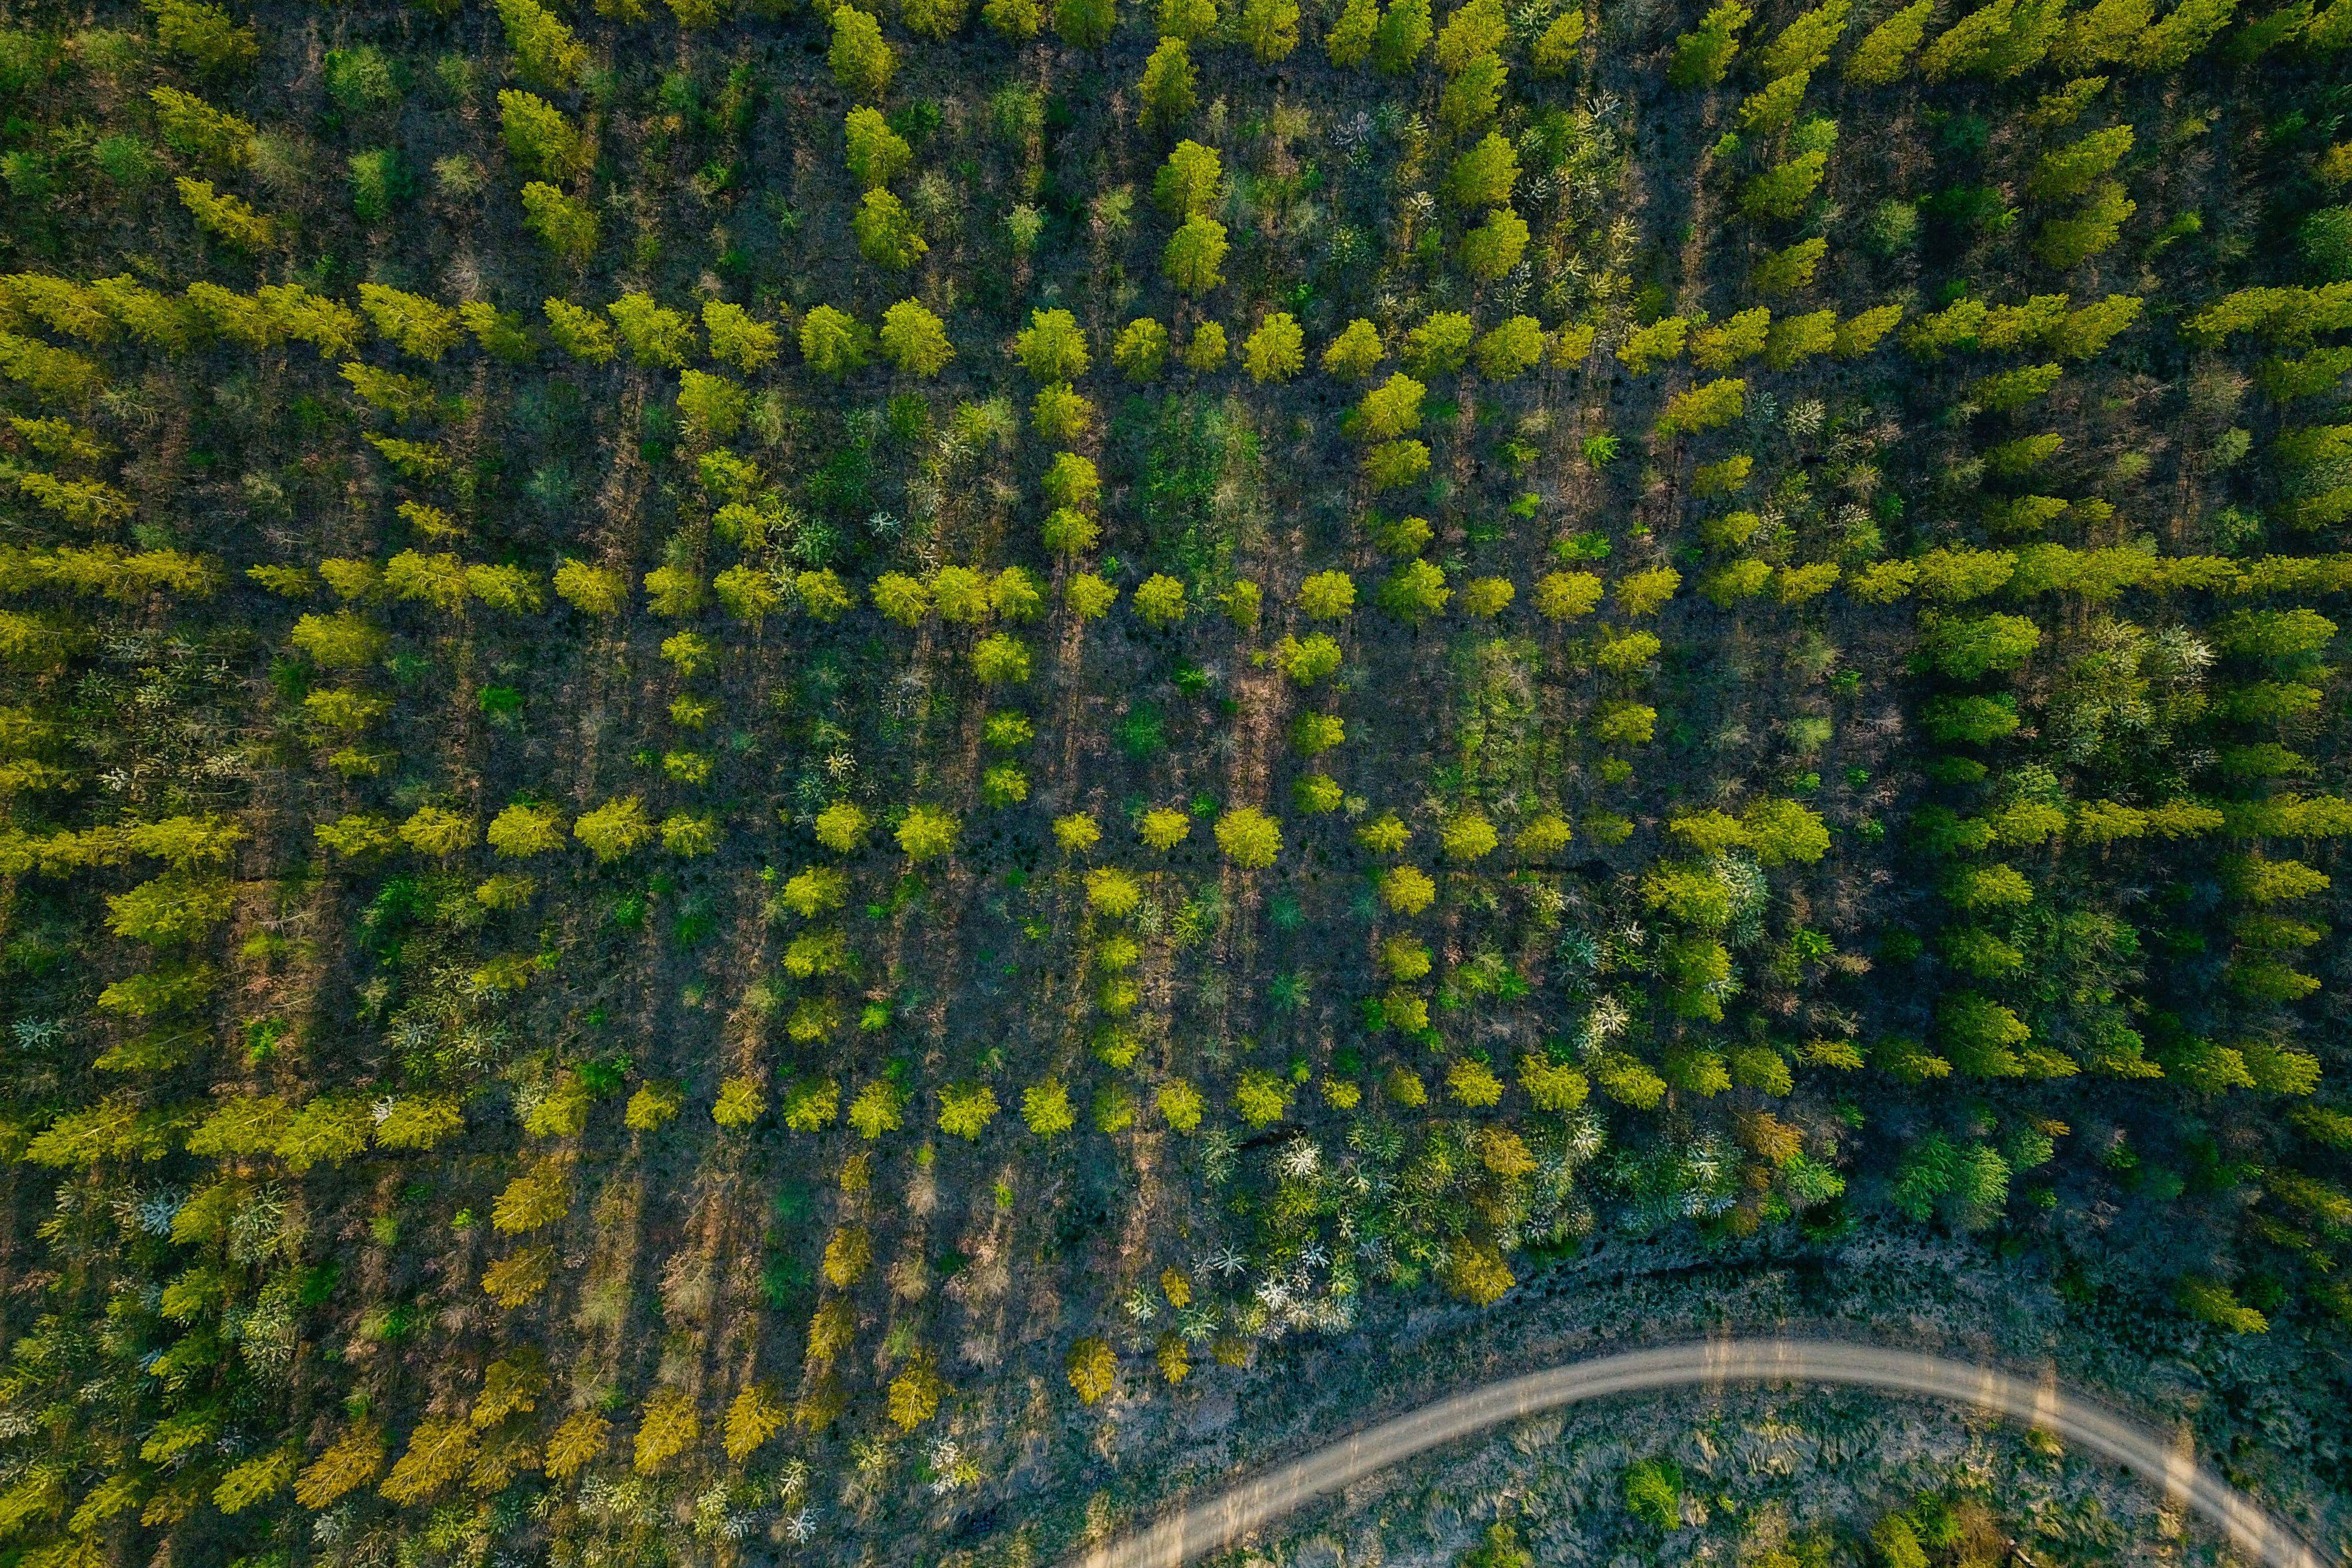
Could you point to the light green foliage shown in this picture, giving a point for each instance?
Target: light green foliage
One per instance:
(1884, 52)
(862, 62)
(1276, 350)
(1805, 42)
(1195, 256)
(886, 232)
(539, 138)
(875, 154)
(1403, 34)
(2069, 171)
(1703, 56)
(1169, 90)
(833, 342)
(1495, 246)
(1483, 176)
(1554, 50)
(913, 340)
(1269, 28)
(547, 54)
(1511, 349)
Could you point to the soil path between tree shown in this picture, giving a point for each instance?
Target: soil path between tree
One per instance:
(2167, 1461)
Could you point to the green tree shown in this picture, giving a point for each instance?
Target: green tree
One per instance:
(1195, 256)
(1276, 350)
(537, 137)
(927, 833)
(862, 62)
(1485, 175)
(1084, 23)
(833, 342)
(875, 154)
(1168, 90)
(886, 232)
(1652, 1492)
(1270, 28)
(547, 55)
(914, 339)
(1492, 249)
(1703, 56)
(1349, 42)
(566, 226)
(1405, 33)
(1249, 838)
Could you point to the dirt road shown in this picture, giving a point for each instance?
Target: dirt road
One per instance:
(2170, 1463)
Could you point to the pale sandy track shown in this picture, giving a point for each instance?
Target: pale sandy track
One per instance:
(2083, 1422)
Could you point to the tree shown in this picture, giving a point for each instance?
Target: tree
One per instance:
(1414, 591)
(736, 338)
(1966, 649)
(655, 336)
(1492, 249)
(1782, 191)
(875, 154)
(886, 231)
(206, 34)
(833, 342)
(1142, 349)
(2069, 171)
(1355, 353)
(1652, 1492)
(1188, 183)
(966, 1110)
(1349, 42)
(914, 339)
(1703, 58)
(547, 55)
(668, 1427)
(2066, 243)
(1084, 23)
(1045, 1107)
(1439, 346)
(1276, 350)
(346, 1465)
(1249, 838)
(1555, 50)
(914, 1395)
(1052, 347)
(1167, 87)
(1485, 174)
(1403, 34)
(862, 62)
(1195, 253)
(538, 136)
(1093, 1370)
(614, 830)
(757, 1413)
(1270, 28)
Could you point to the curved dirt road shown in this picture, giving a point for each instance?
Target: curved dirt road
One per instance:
(2079, 1420)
